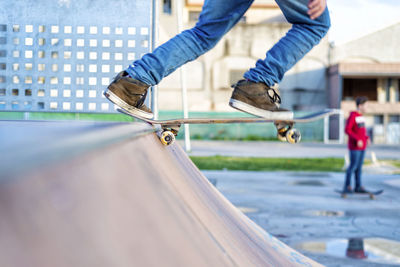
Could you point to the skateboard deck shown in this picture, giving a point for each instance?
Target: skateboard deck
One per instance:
(371, 194)
(171, 127)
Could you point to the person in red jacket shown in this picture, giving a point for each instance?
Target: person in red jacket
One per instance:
(358, 140)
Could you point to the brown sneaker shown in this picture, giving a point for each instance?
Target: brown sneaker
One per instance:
(129, 94)
(258, 99)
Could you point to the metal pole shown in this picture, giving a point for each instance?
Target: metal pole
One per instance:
(341, 127)
(326, 130)
(179, 11)
(154, 39)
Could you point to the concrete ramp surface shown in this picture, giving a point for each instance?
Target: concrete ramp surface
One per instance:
(96, 194)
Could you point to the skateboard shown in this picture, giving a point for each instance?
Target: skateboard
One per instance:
(371, 194)
(286, 132)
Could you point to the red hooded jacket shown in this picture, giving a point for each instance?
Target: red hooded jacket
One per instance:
(355, 128)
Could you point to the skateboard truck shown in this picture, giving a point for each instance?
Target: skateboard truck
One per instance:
(286, 132)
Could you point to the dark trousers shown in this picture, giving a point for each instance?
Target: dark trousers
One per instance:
(356, 162)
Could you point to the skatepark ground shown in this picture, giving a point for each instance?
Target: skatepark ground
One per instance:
(109, 194)
(302, 209)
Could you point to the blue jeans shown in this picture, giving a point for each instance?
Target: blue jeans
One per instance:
(356, 162)
(216, 19)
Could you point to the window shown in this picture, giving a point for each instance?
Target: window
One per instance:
(394, 118)
(354, 87)
(28, 28)
(41, 80)
(40, 93)
(54, 29)
(67, 29)
(93, 30)
(106, 30)
(378, 119)
(28, 66)
(105, 68)
(28, 92)
(67, 42)
(167, 7)
(387, 89)
(119, 30)
(131, 30)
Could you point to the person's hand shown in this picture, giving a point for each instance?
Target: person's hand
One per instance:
(316, 8)
(360, 143)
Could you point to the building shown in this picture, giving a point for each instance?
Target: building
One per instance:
(370, 66)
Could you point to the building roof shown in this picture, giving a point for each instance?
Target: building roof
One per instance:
(366, 69)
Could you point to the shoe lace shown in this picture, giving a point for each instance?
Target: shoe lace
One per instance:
(275, 96)
(141, 100)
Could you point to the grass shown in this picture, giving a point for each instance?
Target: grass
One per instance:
(395, 163)
(268, 164)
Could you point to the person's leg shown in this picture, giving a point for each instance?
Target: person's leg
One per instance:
(350, 169)
(129, 88)
(216, 18)
(358, 170)
(255, 94)
(299, 40)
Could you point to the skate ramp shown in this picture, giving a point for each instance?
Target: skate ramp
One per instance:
(111, 195)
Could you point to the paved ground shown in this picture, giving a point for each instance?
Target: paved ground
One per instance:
(279, 149)
(300, 206)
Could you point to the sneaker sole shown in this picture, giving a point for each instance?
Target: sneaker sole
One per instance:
(273, 115)
(128, 108)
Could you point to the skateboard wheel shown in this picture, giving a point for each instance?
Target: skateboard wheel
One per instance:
(293, 136)
(167, 138)
(371, 196)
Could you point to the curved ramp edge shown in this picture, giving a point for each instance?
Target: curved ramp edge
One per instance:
(130, 203)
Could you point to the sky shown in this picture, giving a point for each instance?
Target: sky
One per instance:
(351, 19)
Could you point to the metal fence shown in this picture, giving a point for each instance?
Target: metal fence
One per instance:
(60, 55)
